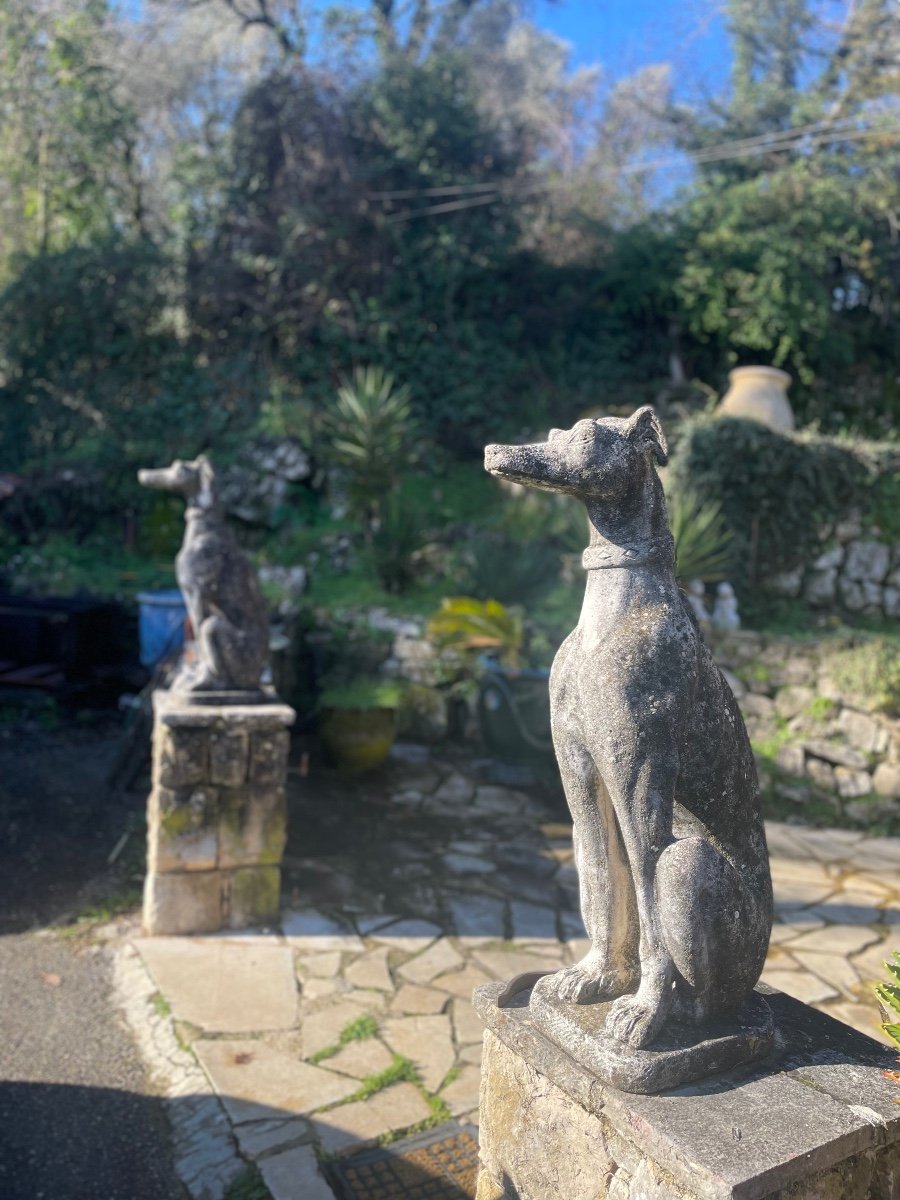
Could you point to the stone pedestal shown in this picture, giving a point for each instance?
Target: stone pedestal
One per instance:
(817, 1121)
(217, 816)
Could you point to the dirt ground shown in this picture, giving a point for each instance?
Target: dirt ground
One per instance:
(61, 821)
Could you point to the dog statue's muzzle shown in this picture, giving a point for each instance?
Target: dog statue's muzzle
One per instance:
(157, 477)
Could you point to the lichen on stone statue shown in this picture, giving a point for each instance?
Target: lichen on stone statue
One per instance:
(661, 782)
(221, 591)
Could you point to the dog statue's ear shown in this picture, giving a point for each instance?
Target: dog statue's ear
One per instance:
(645, 431)
(207, 480)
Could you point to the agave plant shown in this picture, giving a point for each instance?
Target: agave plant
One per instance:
(466, 624)
(889, 996)
(370, 426)
(702, 539)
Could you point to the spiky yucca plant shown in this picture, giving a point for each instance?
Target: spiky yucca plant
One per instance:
(702, 539)
(371, 428)
(889, 997)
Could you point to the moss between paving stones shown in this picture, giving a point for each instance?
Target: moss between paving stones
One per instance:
(160, 1004)
(401, 1070)
(357, 1031)
(248, 1185)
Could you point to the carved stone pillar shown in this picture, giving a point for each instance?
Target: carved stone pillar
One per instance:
(217, 814)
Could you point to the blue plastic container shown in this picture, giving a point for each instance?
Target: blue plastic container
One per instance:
(160, 624)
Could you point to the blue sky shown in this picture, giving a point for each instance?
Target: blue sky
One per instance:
(624, 35)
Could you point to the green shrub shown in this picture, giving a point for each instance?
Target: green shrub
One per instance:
(775, 491)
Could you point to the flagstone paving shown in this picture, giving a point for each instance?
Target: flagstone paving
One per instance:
(354, 1023)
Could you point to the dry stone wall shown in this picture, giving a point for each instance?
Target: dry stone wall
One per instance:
(859, 573)
(817, 740)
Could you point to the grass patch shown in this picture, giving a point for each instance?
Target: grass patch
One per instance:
(160, 1004)
(357, 1031)
(768, 748)
(248, 1185)
(114, 905)
(452, 1074)
(401, 1070)
(754, 672)
(871, 669)
(821, 709)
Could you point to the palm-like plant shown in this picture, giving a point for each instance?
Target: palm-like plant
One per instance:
(370, 426)
(702, 539)
(466, 624)
(889, 996)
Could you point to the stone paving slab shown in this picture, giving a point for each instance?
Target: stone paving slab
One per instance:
(399, 1107)
(360, 995)
(295, 1173)
(224, 985)
(257, 1081)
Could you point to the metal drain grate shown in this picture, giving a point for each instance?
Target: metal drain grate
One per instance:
(441, 1164)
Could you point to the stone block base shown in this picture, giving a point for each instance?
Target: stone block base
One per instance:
(817, 1121)
(682, 1054)
(216, 816)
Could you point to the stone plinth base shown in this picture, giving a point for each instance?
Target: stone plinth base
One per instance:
(682, 1054)
(817, 1121)
(216, 817)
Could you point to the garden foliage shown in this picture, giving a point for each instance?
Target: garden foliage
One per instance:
(188, 228)
(778, 494)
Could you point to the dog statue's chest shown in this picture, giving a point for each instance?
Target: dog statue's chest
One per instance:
(199, 561)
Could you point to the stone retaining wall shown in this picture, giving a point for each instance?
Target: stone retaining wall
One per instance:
(815, 740)
(859, 572)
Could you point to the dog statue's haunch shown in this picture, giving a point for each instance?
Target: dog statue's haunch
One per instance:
(654, 756)
(220, 589)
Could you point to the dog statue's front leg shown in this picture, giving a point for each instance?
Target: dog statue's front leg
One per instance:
(643, 798)
(607, 897)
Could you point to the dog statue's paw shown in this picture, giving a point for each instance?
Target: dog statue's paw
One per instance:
(637, 1019)
(587, 981)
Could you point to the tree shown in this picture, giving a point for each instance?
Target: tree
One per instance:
(67, 141)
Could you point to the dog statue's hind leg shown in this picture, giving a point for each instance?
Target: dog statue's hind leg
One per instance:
(713, 925)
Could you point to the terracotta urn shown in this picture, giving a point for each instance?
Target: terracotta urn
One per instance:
(759, 394)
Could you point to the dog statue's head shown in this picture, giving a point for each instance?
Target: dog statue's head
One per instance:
(592, 459)
(194, 480)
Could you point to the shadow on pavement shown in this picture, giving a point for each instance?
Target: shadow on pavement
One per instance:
(83, 1143)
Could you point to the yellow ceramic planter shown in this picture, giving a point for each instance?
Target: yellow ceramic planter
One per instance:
(358, 739)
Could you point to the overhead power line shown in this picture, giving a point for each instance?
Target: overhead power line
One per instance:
(811, 136)
(747, 150)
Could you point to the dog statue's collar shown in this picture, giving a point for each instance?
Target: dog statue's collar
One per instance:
(608, 555)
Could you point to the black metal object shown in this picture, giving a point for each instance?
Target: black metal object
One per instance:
(65, 644)
(514, 711)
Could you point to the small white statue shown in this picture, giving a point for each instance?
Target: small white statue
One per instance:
(726, 618)
(696, 593)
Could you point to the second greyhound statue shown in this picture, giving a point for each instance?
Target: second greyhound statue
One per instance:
(654, 756)
(220, 589)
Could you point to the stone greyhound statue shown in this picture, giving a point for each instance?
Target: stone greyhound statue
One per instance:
(654, 756)
(223, 599)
